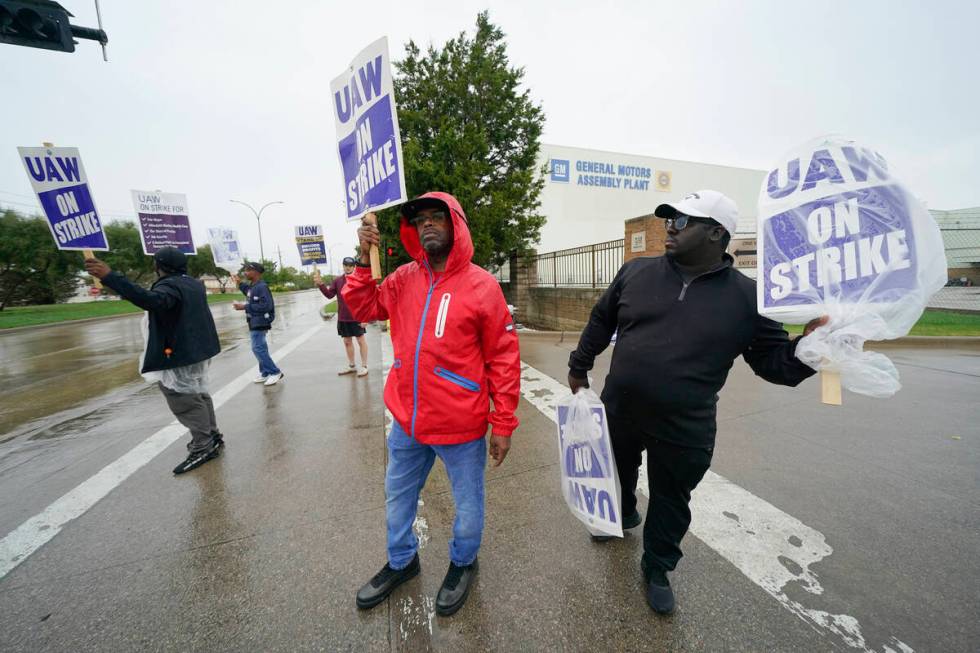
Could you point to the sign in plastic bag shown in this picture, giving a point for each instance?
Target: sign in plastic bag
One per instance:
(839, 235)
(588, 470)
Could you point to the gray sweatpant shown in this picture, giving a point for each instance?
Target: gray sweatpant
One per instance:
(196, 412)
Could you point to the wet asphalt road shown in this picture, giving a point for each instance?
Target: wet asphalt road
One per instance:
(264, 548)
(52, 368)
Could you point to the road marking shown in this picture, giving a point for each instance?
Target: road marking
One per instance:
(773, 549)
(37, 531)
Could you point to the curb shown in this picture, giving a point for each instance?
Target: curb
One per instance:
(907, 342)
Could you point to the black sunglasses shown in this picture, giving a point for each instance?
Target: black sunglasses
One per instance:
(679, 221)
(437, 217)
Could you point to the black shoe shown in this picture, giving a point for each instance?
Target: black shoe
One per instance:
(660, 596)
(384, 583)
(630, 521)
(455, 588)
(218, 439)
(197, 459)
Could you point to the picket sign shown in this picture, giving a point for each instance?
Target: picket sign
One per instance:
(840, 235)
(86, 253)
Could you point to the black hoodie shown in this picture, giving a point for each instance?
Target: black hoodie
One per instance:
(676, 344)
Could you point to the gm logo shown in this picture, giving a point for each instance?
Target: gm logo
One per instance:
(560, 170)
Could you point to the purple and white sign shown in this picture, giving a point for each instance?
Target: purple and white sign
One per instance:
(836, 227)
(58, 177)
(588, 469)
(163, 221)
(840, 235)
(368, 140)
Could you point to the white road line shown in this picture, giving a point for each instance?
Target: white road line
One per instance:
(773, 549)
(34, 533)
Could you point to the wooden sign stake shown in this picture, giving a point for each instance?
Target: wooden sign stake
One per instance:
(371, 219)
(830, 392)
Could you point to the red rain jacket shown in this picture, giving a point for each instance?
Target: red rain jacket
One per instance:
(454, 340)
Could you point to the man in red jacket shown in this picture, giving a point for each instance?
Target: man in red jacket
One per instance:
(455, 350)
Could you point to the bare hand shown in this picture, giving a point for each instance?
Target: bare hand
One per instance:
(316, 277)
(577, 384)
(97, 268)
(499, 446)
(814, 324)
(368, 233)
(235, 279)
(239, 306)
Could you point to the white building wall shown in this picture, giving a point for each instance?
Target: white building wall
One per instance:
(579, 212)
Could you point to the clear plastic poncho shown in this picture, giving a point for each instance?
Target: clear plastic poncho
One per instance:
(186, 379)
(840, 235)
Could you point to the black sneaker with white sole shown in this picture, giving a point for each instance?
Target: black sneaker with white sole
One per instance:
(196, 459)
(218, 439)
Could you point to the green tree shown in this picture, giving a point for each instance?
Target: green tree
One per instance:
(469, 129)
(32, 270)
(126, 253)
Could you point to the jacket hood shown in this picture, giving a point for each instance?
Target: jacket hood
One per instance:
(462, 252)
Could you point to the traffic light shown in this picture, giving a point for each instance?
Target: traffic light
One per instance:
(42, 24)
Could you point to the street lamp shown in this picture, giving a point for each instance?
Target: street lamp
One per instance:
(258, 216)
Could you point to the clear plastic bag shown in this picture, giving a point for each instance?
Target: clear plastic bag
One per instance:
(589, 480)
(840, 235)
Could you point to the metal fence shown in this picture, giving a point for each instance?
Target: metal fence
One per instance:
(589, 266)
(962, 292)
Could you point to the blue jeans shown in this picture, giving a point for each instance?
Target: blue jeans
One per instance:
(409, 463)
(261, 351)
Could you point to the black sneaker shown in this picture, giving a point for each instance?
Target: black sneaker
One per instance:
(630, 521)
(660, 596)
(455, 588)
(197, 459)
(384, 583)
(218, 439)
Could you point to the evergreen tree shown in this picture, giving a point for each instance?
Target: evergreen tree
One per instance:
(469, 129)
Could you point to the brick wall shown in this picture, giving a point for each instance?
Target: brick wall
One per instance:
(559, 309)
(648, 232)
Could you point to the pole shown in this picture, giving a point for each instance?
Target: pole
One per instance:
(372, 219)
(258, 221)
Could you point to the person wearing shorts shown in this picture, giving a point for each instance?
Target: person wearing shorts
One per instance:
(348, 328)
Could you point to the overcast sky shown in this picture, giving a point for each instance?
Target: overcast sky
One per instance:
(223, 100)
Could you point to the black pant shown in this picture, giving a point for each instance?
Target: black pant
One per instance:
(196, 412)
(673, 472)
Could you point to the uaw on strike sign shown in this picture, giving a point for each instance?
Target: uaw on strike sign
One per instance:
(840, 235)
(58, 177)
(368, 141)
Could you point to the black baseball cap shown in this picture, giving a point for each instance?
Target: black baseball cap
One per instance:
(171, 258)
(258, 267)
(411, 208)
(349, 260)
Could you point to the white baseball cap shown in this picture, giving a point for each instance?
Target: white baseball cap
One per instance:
(704, 204)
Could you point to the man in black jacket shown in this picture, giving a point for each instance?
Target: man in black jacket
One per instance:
(180, 343)
(682, 320)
